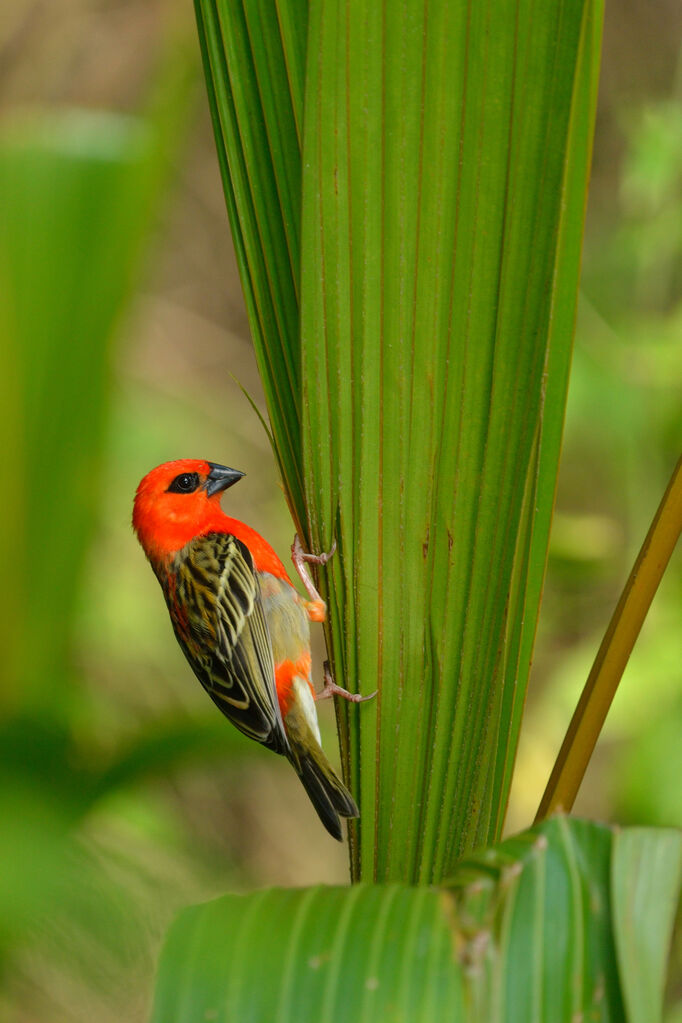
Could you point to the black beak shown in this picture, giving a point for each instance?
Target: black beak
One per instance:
(220, 478)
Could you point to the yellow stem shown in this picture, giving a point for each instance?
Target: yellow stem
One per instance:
(614, 652)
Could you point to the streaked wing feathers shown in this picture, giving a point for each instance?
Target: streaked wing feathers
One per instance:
(218, 618)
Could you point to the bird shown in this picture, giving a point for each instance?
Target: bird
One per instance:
(239, 620)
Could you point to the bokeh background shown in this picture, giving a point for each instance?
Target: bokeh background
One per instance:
(123, 794)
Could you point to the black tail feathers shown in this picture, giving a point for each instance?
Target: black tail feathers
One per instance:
(327, 793)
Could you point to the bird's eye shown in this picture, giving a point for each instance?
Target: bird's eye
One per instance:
(185, 483)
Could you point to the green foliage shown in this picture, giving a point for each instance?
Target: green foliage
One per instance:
(97, 862)
(645, 880)
(442, 217)
(525, 930)
(443, 189)
(66, 267)
(77, 192)
(442, 199)
(623, 424)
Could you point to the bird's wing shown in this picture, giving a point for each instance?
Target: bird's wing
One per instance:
(218, 618)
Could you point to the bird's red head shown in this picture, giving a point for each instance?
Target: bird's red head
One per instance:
(178, 501)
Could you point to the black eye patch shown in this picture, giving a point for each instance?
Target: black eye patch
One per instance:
(185, 483)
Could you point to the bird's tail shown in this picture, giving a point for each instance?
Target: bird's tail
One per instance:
(327, 793)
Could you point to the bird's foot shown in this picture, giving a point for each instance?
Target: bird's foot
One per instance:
(331, 689)
(298, 554)
(315, 607)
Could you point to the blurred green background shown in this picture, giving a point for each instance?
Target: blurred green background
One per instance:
(123, 337)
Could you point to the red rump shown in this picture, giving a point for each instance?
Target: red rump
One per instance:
(285, 673)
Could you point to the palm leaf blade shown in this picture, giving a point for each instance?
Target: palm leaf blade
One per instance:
(435, 292)
(523, 931)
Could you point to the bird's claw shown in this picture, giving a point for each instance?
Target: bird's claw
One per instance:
(330, 689)
(316, 608)
(298, 554)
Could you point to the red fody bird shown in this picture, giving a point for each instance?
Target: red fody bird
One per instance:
(239, 621)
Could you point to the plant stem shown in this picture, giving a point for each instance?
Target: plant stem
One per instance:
(614, 652)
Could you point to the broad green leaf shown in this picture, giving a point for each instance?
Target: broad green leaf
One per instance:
(445, 154)
(523, 932)
(253, 53)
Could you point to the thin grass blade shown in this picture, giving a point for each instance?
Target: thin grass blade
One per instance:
(614, 652)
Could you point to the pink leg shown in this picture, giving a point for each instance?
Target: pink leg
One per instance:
(331, 689)
(316, 607)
